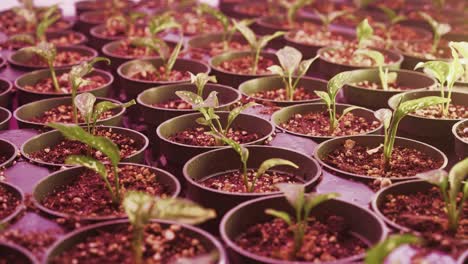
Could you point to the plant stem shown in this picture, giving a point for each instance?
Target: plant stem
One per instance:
(388, 145)
(75, 110)
(117, 185)
(54, 77)
(290, 89)
(256, 58)
(332, 115)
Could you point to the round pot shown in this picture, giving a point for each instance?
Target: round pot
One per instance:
(20, 254)
(238, 13)
(97, 40)
(133, 87)
(373, 141)
(410, 61)
(85, 20)
(330, 69)
(80, 235)
(233, 79)
(61, 178)
(5, 92)
(376, 99)
(8, 150)
(20, 58)
(283, 115)
(90, 5)
(31, 78)
(251, 87)
(24, 113)
(202, 42)
(54, 137)
(20, 196)
(461, 146)
(5, 116)
(361, 222)
(463, 258)
(153, 115)
(51, 35)
(178, 153)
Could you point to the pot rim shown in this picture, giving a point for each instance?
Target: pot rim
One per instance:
(196, 38)
(365, 177)
(187, 177)
(21, 250)
(389, 52)
(416, 57)
(242, 54)
(82, 37)
(105, 50)
(18, 208)
(36, 137)
(455, 133)
(9, 84)
(288, 36)
(13, 157)
(232, 245)
(9, 115)
(55, 213)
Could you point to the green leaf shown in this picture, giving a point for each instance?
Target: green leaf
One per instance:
(435, 177)
(337, 82)
(85, 103)
(412, 105)
(189, 97)
(439, 29)
(279, 214)
(364, 32)
(270, 163)
(162, 23)
(292, 10)
(158, 45)
(325, 97)
(376, 56)
(135, 15)
(27, 14)
(263, 41)
(305, 65)
(218, 15)
(138, 207)
(390, 13)
(105, 106)
(384, 115)
(241, 150)
(77, 72)
(460, 47)
(173, 58)
(200, 80)
(456, 70)
(456, 176)
(379, 252)
(140, 66)
(236, 112)
(294, 194)
(44, 25)
(437, 69)
(45, 50)
(248, 34)
(24, 38)
(314, 199)
(349, 109)
(289, 58)
(276, 70)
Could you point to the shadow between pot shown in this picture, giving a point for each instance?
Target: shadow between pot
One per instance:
(17, 254)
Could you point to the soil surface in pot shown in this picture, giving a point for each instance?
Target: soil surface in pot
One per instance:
(244, 65)
(35, 241)
(64, 114)
(174, 104)
(8, 202)
(320, 38)
(121, 30)
(394, 86)
(454, 112)
(161, 245)
(279, 94)
(68, 39)
(425, 213)
(87, 194)
(462, 132)
(318, 123)
(233, 181)
(358, 159)
(345, 56)
(324, 241)
(160, 75)
(194, 24)
(198, 136)
(424, 50)
(46, 85)
(217, 48)
(58, 153)
(63, 58)
(399, 32)
(127, 50)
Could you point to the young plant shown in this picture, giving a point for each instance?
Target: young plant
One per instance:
(391, 121)
(256, 44)
(451, 184)
(364, 33)
(141, 208)
(200, 80)
(462, 49)
(378, 253)
(384, 76)
(291, 64)
(329, 98)
(29, 16)
(438, 30)
(293, 7)
(50, 17)
(125, 23)
(47, 52)
(393, 19)
(328, 18)
(228, 28)
(303, 204)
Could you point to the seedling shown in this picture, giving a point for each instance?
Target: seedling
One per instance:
(327, 19)
(391, 121)
(47, 52)
(462, 49)
(364, 33)
(256, 44)
(291, 64)
(438, 30)
(200, 80)
(228, 28)
(451, 184)
(384, 76)
(362, 3)
(124, 23)
(303, 204)
(292, 8)
(48, 19)
(378, 253)
(29, 16)
(141, 208)
(329, 98)
(393, 19)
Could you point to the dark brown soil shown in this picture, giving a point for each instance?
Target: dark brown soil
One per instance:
(279, 94)
(194, 24)
(198, 136)
(161, 245)
(320, 38)
(425, 212)
(58, 153)
(423, 50)
(160, 76)
(63, 114)
(378, 86)
(233, 181)
(12, 24)
(318, 123)
(8, 202)
(255, 9)
(63, 58)
(86, 195)
(46, 86)
(454, 112)
(244, 65)
(174, 104)
(216, 48)
(405, 162)
(35, 241)
(345, 55)
(324, 241)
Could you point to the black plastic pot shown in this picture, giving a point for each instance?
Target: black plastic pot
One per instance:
(133, 87)
(20, 58)
(85, 22)
(80, 235)
(461, 146)
(410, 60)
(19, 254)
(283, 115)
(31, 78)
(51, 138)
(251, 87)
(97, 40)
(20, 196)
(233, 79)
(63, 177)
(362, 223)
(376, 99)
(5, 93)
(5, 116)
(373, 141)
(23, 114)
(8, 150)
(202, 42)
(330, 69)
(52, 35)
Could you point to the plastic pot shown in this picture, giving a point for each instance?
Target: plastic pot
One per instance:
(25, 113)
(5, 93)
(86, 20)
(8, 150)
(411, 60)
(233, 79)
(19, 254)
(80, 235)
(5, 116)
(20, 196)
(31, 78)
(323, 149)
(61, 178)
(54, 137)
(376, 99)
(362, 223)
(133, 87)
(202, 42)
(461, 146)
(283, 115)
(251, 87)
(82, 39)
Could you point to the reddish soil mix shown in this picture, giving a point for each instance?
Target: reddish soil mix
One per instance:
(425, 213)
(87, 195)
(68, 39)
(46, 85)
(345, 56)
(58, 153)
(324, 240)
(198, 136)
(161, 245)
(377, 86)
(64, 114)
(35, 241)
(279, 94)
(357, 159)
(320, 38)
(63, 58)
(174, 104)
(11, 24)
(244, 65)
(116, 31)
(160, 75)
(318, 123)
(454, 112)
(233, 181)
(424, 50)
(194, 24)
(8, 202)
(126, 49)
(216, 48)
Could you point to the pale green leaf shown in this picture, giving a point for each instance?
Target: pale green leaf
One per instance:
(412, 105)
(248, 34)
(379, 252)
(294, 193)
(364, 32)
(275, 69)
(375, 55)
(435, 177)
(264, 40)
(289, 58)
(174, 55)
(279, 214)
(313, 199)
(325, 97)
(337, 82)
(236, 112)
(384, 115)
(456, 176)
(270, 163)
